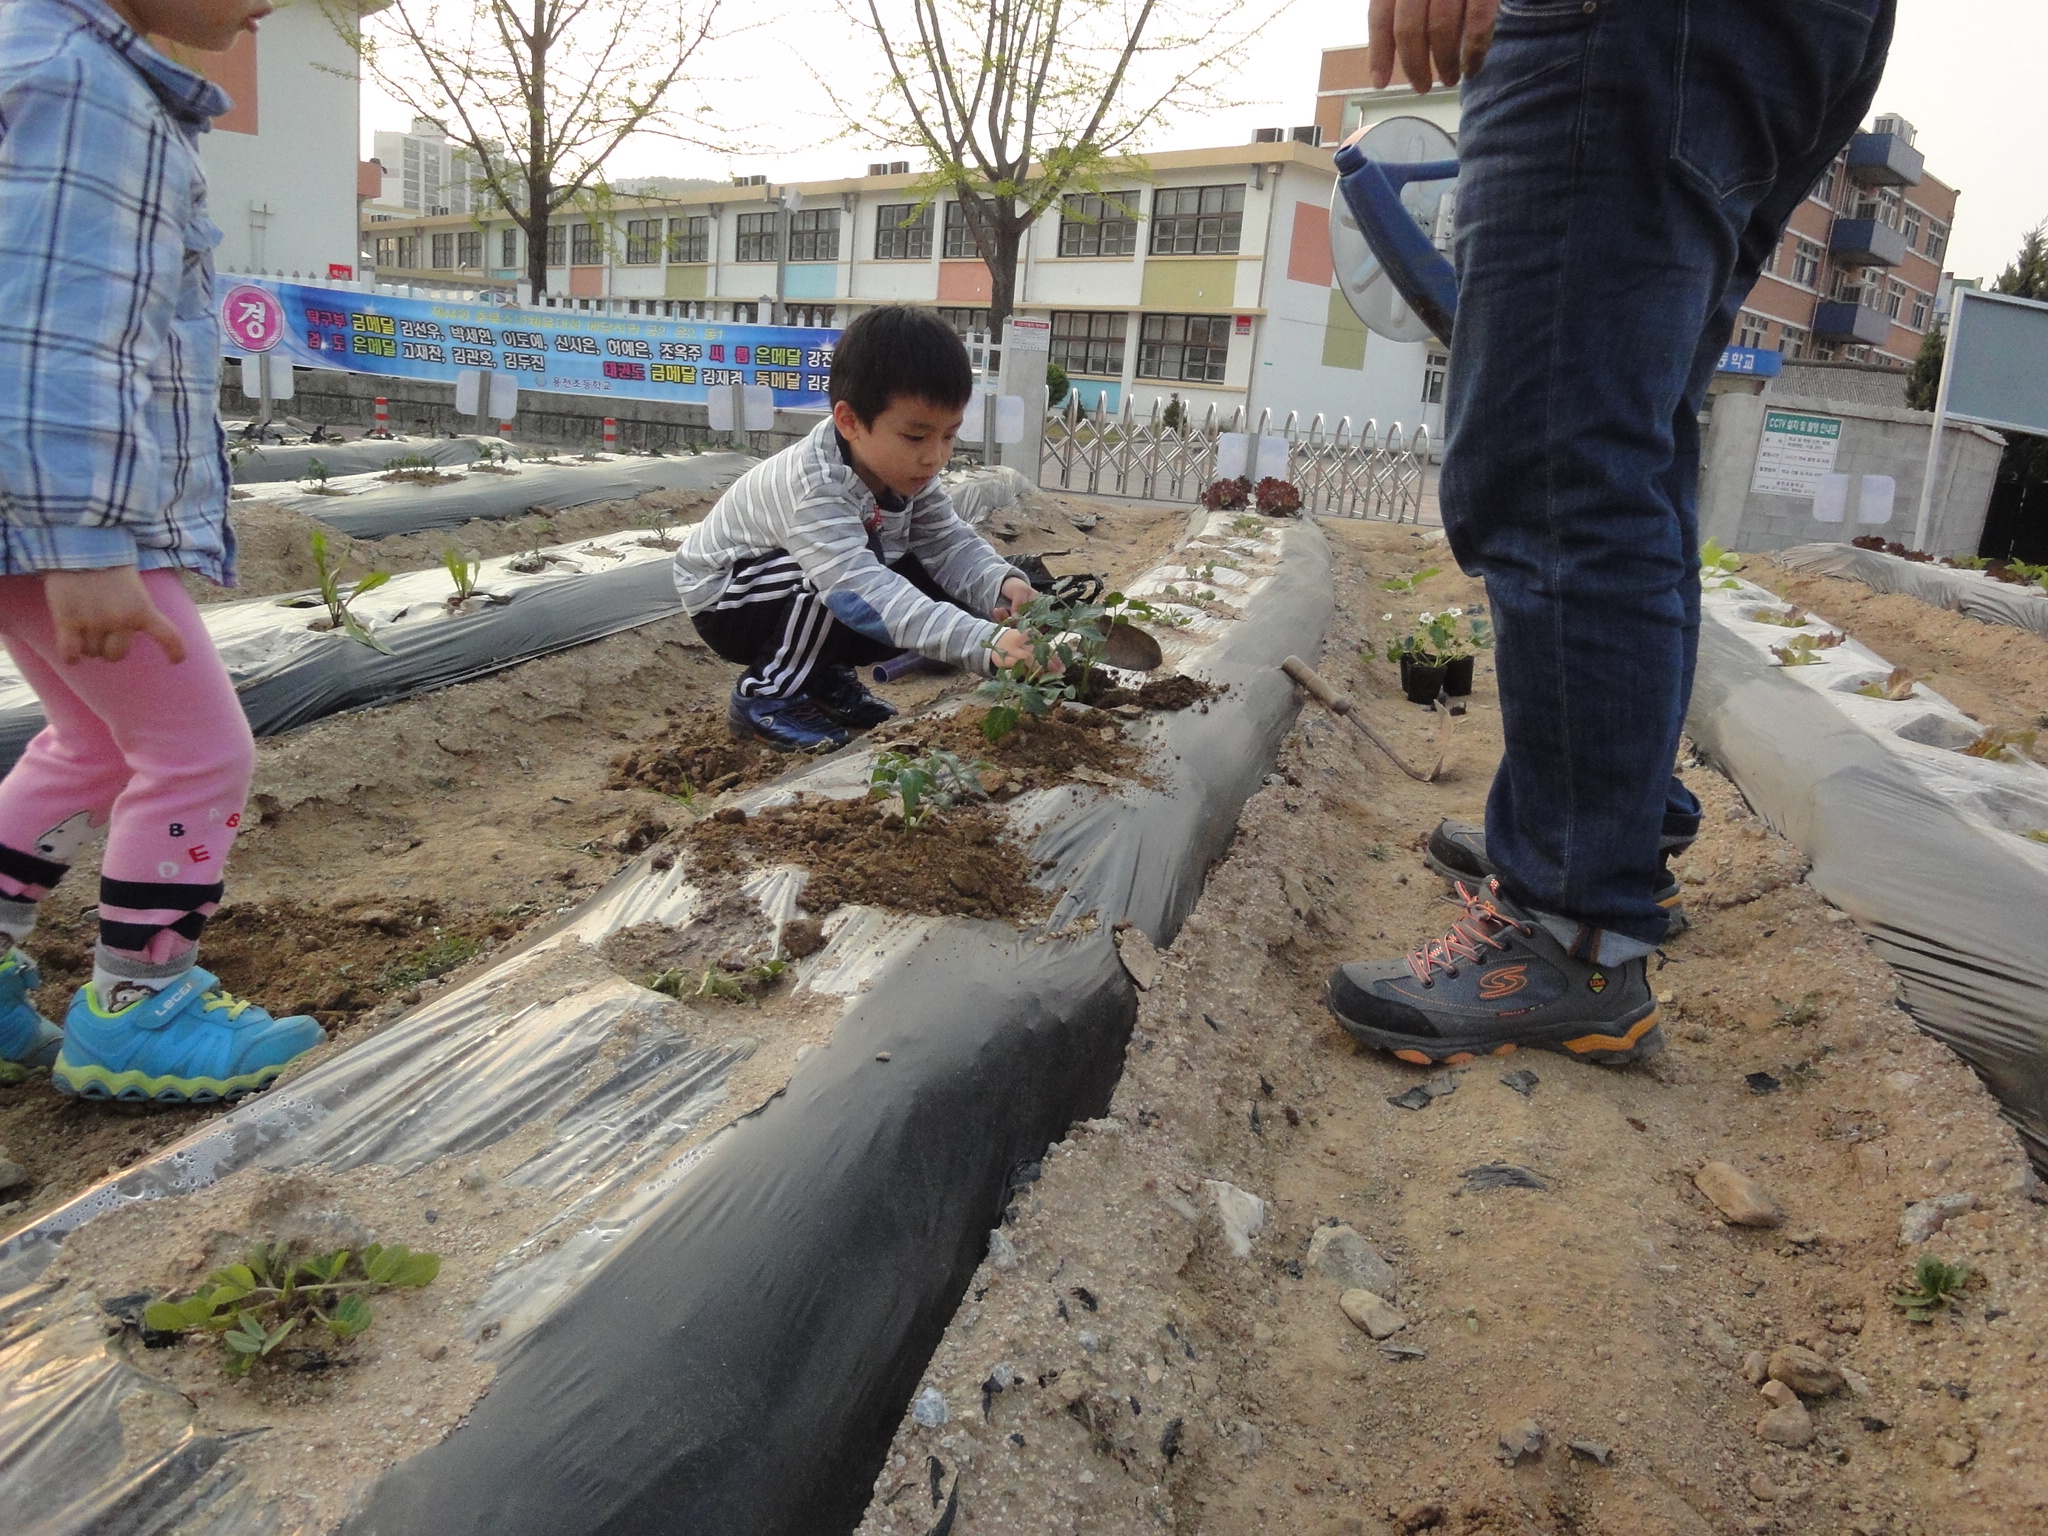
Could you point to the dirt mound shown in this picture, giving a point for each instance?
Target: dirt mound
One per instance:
(697, 755)
(961, 862)
(1170, 693)
(1038, 754)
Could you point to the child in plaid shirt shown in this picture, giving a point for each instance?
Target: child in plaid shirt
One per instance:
(113, 479)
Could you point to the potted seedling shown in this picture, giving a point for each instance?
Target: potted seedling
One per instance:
(1436, 655)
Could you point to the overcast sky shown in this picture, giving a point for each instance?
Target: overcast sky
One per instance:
(1967, 73)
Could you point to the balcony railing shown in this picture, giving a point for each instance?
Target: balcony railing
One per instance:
(1884, 160)
(1856, 324)
(1866, 243)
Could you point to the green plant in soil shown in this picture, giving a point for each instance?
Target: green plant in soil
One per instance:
(1805, 1011)
(338, 614)
(316, 474)
(1071, 631)
(1784, 618)
(925, 785)
(463, 569)
(2003, 745)
(1249, 525)
(1718, 566)
(1410, 583)
(254, 1306)
(1935, 1285)
(439, 958)
(714, 983)
(1804, 650)
(1436, 638)
(1897, 686)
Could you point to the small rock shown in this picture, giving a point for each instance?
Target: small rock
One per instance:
(1242, 1213)
(1790, 1426)
(1727, 1349)
(881, 1055)
(1128, 711)
(1756, 1368)
(1404, 1352)
(1519, 1441)
(1952, 1453)
(1763, 1489)
(1491, 1176)
(13, 1175)
(1139, 958)
(1002, 1253)
(1426, 1516)
(1340, 1254)
(473, 1179)
(1372, 1313)
(433, 1352)
(1590, 1449)
(1737, 1196)
(928, 1408)
(13, 1208)
(1262, 1333)
(1873, 1164)
(1522, 1080)
(1805, 1372)
(1856, 1381)
(1779, 1395)
(1923, 1218)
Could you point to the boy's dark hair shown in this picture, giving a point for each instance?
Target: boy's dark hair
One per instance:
(899, 350)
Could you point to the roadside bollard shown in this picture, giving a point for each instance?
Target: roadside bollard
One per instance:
(611, 435)
(383, 427)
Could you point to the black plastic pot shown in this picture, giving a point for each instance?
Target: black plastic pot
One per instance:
(1458, 677)
(1421, 681)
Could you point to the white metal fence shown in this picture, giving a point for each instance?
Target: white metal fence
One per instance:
(1168, 456)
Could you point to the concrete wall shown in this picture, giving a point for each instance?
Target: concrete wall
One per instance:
(1875, 440)
(1858, 383)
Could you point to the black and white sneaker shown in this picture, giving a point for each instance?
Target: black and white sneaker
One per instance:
(841, 694)
(1457, 851)
(1498, 981)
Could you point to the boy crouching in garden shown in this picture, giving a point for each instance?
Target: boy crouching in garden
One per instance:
(844, 550)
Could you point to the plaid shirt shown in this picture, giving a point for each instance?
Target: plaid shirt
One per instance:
(111, 450)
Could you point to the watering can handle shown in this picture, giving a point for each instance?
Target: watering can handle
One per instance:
(1417, 268)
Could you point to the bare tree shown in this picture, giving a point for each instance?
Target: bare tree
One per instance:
(1018, 103)
(538, 92)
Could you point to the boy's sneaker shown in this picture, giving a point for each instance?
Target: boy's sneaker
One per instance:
(1457, 851)
(1496, 981)
(27, 1039)
(189, 1043)
(841, 694)
(794, 724)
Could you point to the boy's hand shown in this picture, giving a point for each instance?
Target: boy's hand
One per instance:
(1018, 594)
(96, 613)
(1013, 648)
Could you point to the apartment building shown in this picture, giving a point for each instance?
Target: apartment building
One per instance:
(1858, 274)
(1207, 277)
(425, 173)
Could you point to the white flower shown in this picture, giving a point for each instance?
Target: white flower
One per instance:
(1424, 618)
(1386, 618)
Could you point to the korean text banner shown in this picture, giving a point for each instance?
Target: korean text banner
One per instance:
(568, 351)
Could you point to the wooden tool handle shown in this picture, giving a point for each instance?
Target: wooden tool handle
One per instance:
(1306, 675)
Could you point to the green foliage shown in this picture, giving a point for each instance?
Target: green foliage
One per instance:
(462, 570)
(316, 473)
(1897, 687)
(1923, 379)
(2003, 745)
(254, 1306)
(1718, 567)
(1805, 1011)
(448, 951)
(1175, 417)
(2036, 834)
(1410, 583)
(338, 614)
(1071, 631)
(716, 984)
(1437, 638)
(1250, 525)
(1935, 1285)
(927, 784)
(1056, 385)
(1804, 650)
(1784, 618)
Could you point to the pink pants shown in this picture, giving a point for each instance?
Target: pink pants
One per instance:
(161, 751)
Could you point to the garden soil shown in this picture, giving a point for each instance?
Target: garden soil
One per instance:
(1578, 1334)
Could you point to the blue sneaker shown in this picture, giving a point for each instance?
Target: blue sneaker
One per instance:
(27, 1039)
(840, 693)
(794, 724)
(189, 1044)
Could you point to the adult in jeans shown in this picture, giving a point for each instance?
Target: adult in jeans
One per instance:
(1627, 167)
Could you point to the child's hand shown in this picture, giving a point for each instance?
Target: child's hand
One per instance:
(1013, 648)
(1018, 594)
(96, 613)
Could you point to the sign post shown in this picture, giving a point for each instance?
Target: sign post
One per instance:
(1027, 348)
(1994, 373)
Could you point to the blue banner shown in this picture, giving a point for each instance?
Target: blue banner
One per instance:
(1765, 364)
(572, 352)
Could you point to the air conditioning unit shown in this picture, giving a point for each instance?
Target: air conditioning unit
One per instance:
(1312, 134)
(750, 181)
(1892, 123)
(1269, 136)
(878, 167)
(899, 167)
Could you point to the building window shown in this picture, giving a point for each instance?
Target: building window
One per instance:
(469, 248)
(965, 321)
(814, 234)
(959, 243)
(1909, 226)
(558, 245)
(1805, 262)
(1937, 239)
(1919, 321)
(1434, 366)
(756, 237)
(1088, 343)
(387, 251)
(1197, 221)
(1750, 330)
(1894, 299)
(689, 239)
(1793, 342)
(586, 246)
(444, 252)
(1190, 348)
(643, 242)
(1099, 226)
(508, 247)
(409, 252)
(1824, 189)
(814, 317)
(903, 232)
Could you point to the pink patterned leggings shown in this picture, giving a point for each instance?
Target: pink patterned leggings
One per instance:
(161, 751)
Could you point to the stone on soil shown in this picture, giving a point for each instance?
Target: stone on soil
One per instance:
(1790, 1426)
(1242, 1213)
(1340, 1254)
(1924, 1218)
(1372, 1313)
(1779, 1395)
(1737, 1196)
(1805, 1372)
(13, 1175)
(1520, 1440)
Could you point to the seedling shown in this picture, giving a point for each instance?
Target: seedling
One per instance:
(439, 958)
(1410, 583)
(1787, 618)
(316, 474)
(415, 469)
(1896, 687)
(721, 985)
(2000, 745)
(463, 570)
(1379, 853)
(1250, 526)
(337, 603)
(1805, 1011)
(1803, 650)
(1718, 567)
(926, 785)
(1073, 631)
(1935, 1285)
(259, 1303)
(661, 526)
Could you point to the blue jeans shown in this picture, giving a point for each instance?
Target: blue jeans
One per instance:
(1627, 167)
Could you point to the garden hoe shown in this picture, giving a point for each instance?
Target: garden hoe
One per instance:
(1340, 704)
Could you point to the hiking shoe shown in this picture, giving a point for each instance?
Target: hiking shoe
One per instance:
(191, 1043)
(794, 724)
(27, 1039)
(1457, 851)
(1496, 981)
(840, 693)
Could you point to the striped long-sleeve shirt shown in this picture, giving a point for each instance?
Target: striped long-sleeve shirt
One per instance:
(808, 501)
(110, 443)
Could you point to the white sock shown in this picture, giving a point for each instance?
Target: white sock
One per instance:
(121, 980)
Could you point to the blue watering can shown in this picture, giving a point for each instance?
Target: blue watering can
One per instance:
(1388, 176)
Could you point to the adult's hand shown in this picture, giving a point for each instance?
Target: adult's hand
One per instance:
(97, 613)
(1429, 39)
